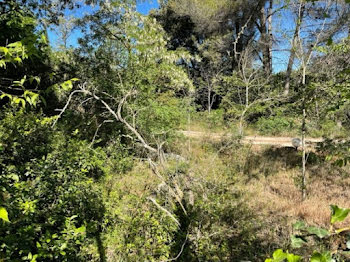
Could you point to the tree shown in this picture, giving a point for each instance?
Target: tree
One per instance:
(264, 25)
(141, 88)
(66, 27)
(311, 18)
(23, 56)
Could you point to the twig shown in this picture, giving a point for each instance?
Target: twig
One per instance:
(98, 128)
(66, 106)
(164, 210)
(181, 250)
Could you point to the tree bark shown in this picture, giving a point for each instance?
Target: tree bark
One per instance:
(303, 189)
(303, 135)
(292, 50)
(270, 36)
(265, 29)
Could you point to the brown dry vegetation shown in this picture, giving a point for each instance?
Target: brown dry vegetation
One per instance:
(266, 179)
(269, 179)
(273, 183)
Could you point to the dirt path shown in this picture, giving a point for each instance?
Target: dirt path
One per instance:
(254, 140)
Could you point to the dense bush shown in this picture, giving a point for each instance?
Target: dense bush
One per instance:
(49, 187)
(275, 125)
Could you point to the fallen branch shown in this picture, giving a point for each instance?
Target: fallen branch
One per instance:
(164, 210)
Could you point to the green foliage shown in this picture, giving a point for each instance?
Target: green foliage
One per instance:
(213, 121)
(49, 189)
(67, 193)
(23, 54)
(162, 116)
(142, 231)
(321, 257)
(13, 53)
(275, 125)
(280, 256)
(142, 73)
(338, 214)
(333, 242)
(4, 214)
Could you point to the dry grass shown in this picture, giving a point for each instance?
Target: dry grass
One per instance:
(278, 195)
(269, 177)
(272, 183)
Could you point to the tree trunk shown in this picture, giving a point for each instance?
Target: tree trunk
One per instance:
(292, 50)
(247, 96)
(270, 36)
(236, 52)
(265, 29)
(303, 133)
(209, 100)
(303, 189)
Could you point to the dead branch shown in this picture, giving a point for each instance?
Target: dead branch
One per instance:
(96, 132)
(172, 192)
(181, 250)
(66, 106)
(164, 210)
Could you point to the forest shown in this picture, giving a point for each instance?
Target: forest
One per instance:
(195, 130)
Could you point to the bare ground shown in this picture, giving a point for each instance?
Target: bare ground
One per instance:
(254, 140)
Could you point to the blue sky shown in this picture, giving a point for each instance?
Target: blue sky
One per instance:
(143, 7)
(283, 30)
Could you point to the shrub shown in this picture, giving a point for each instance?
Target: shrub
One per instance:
(317, 243)
(49, 187)
(274, 125)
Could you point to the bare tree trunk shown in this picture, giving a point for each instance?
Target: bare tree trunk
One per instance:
(303, 190)
(270, 36)
(209, 99)
(303, 134)
(265, 29)
(293, 47)
(247, 96)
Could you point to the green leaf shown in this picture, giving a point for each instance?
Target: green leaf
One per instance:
(18, 100)
(4, 50)
(67, 85)
(279, 255)
(4, 215)
(81, 229)
(43, 39)
(320, 232)
(338, 214)
(17, 59)
(321, 257)
(293, 258)
(6, 95)
(73, 217)
(299, 225)
(297, 242)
